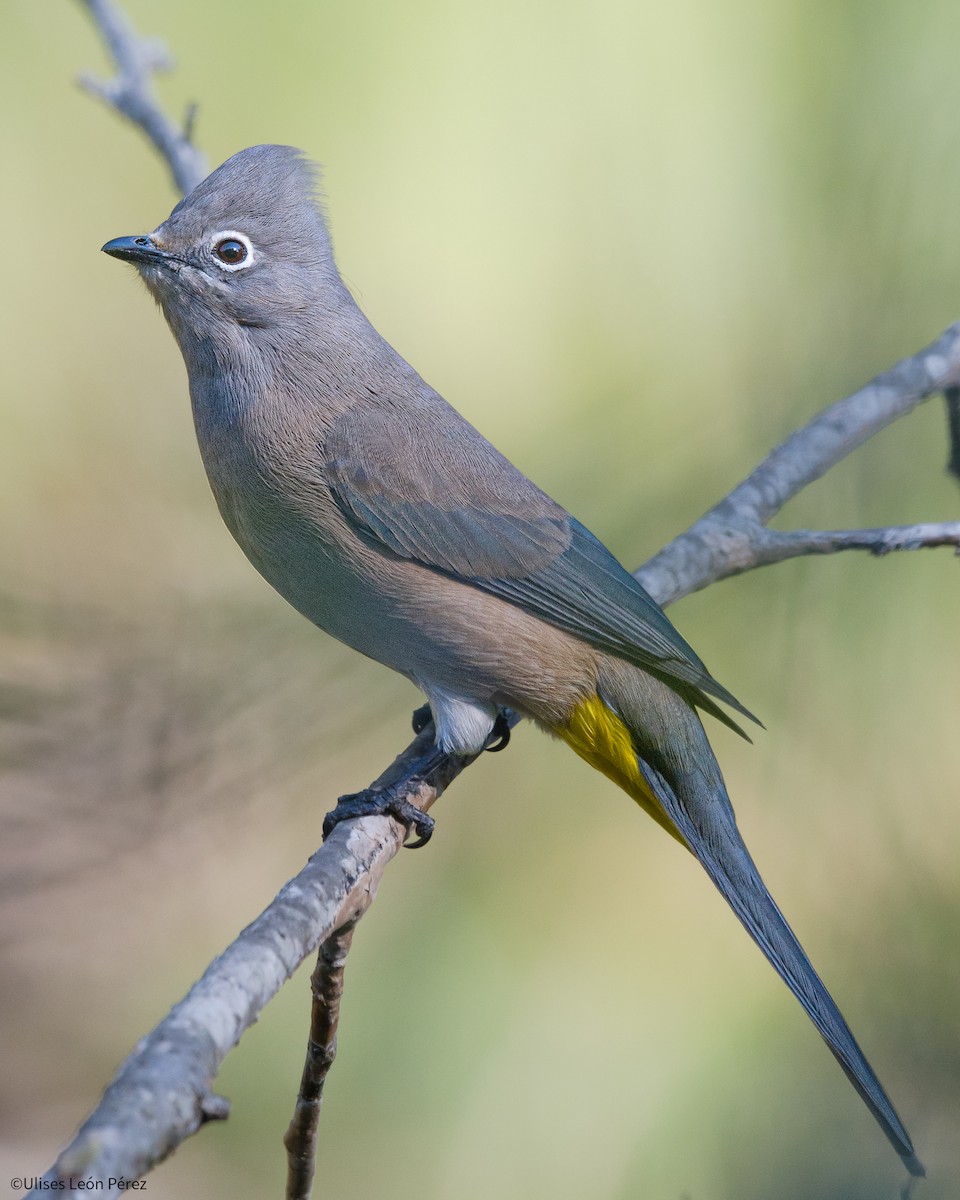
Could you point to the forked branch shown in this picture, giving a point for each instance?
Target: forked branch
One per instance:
(733, 536)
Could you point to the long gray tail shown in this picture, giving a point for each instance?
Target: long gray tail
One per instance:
(701, 812)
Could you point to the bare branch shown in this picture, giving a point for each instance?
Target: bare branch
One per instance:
(131, 92)
(162, 1093)
(326, 985)
(781, 546)
(732, 537)
(952, 397)
(841, 428)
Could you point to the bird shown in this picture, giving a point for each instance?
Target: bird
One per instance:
(389, 521)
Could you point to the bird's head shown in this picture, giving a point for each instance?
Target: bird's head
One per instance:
(247, 247)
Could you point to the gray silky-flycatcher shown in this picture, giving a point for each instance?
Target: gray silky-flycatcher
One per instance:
(389, 521)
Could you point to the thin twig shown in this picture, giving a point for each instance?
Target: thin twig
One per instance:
(326, 986)
(783, 545)
(131, 92)
(952, 397)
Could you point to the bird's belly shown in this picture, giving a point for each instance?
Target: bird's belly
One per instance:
(440, 632)
(315, 575)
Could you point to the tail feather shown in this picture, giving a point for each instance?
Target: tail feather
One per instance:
(701, 813)
(648, 739)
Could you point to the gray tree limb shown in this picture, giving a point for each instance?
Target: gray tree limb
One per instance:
(326, 985)
(131, 92)
(780, 546)
(952, 397)
(733, 536)
(163, 1092)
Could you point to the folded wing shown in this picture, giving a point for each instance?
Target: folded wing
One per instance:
(422, 483)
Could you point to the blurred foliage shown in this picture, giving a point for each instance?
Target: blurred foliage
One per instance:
(636, 244)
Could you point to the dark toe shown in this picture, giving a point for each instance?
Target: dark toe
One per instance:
(381, 802)
(499, 738)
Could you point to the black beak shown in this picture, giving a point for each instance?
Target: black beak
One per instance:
(134, 249)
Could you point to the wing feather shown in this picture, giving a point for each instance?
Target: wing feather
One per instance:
(422, 483)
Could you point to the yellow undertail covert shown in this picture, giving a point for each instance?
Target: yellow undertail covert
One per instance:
(599, 736)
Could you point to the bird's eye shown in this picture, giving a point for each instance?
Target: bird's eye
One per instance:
(232, 251)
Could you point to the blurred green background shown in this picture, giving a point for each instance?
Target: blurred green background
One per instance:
(636, 244)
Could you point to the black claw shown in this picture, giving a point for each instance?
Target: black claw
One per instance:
(422, 717)
(381, 802)
(499, 738)
(424, 828)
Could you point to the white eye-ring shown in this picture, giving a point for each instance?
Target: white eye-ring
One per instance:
(232, 251)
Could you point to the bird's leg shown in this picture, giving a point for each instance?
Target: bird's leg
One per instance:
(499, 737)
(391, 801)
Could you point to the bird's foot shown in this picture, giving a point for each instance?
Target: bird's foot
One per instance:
(381, 802)
(421, 718)
(499, 737)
